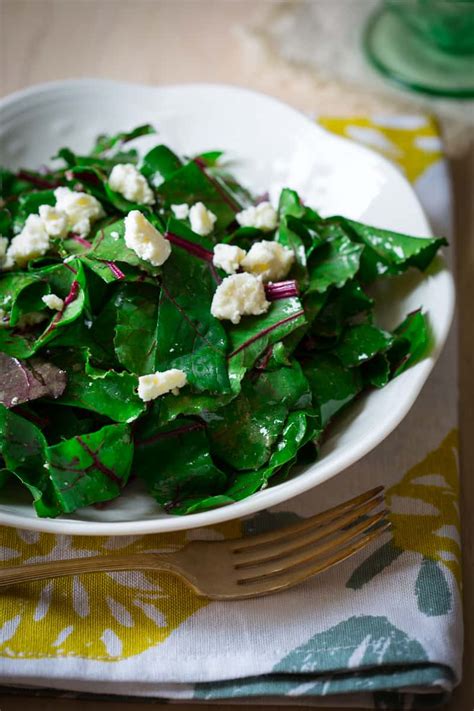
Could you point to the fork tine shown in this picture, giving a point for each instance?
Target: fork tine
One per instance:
(301, 557)
(244, 544)
(282, 547)
(267, 585)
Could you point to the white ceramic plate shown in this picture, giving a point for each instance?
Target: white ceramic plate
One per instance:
(273, 146)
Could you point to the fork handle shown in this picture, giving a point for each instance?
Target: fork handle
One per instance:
(164, 562)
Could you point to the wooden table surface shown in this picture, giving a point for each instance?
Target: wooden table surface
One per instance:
(167, 41)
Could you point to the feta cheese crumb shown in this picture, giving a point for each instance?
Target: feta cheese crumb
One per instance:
(239, 295)
(55, 221)
(145, 240)
(228, 257)
(160, 383)
(262, 216)
(181, 212)
(31, 242)
(15, 400)
(202, 220)
(127, 180)
(53, 301)
(81, 209)
(115, 235)
(271, 260)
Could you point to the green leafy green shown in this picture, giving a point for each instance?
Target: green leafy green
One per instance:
(90, 468)
(244, 432)
(411, 342)
(361, 343)
(175, 461)
(107, 392)
(334, 263)
(159, 164)
(252, 336)
(332, 385)
(187, 335)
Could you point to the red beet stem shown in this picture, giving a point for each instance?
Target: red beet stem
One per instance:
(190, 247)
(281, 290)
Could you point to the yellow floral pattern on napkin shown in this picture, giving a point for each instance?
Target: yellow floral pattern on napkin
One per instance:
(431, 490)
(105, 616)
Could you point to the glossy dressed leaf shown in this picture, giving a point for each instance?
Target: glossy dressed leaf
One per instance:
(175, 461)
(188, 336)
(376, 372)
(333, 386)
(107, 393)
(254, 334)
(392, 252)
(244, 432)
(334, 263)
(361, 343)
(191, 184)
(70, 283)
(412, 340)
(188, 402)
(22, 381)
(298, 430)
(340, 307)
(281, 351)
(91, 468)
(23, 448)
(136, 318)
(299, 230)
(160, 163)
(20, 293)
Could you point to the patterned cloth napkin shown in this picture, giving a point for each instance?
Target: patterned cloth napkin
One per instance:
(383, 629)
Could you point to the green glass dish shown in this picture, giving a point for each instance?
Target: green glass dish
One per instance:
(425, 45)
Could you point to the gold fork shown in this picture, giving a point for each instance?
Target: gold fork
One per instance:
(242, 567)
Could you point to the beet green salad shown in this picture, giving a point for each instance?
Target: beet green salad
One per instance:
(159, 322)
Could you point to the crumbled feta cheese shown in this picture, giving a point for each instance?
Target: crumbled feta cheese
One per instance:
(239, 295)
(268, 259)
(145, 240)
(202, 220)
(115, 235)
(15, 400)
(55, 221)
(262, 216)
(181, 212)
(31, 242)
(53, 301)
(129, 182)
(160, 383)
(228, 257)
(81, 209)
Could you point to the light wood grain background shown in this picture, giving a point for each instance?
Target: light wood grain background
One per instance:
(167, 41)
